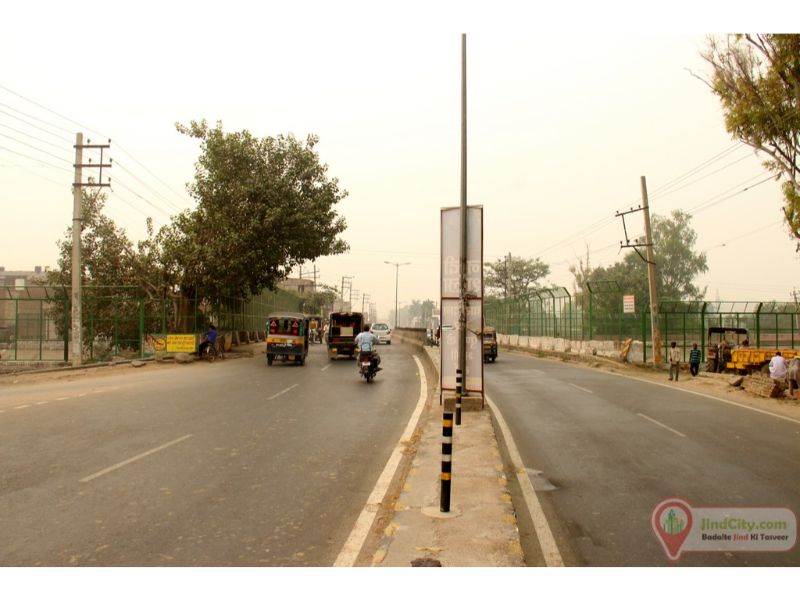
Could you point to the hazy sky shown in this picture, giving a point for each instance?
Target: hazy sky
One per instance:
(566, 111)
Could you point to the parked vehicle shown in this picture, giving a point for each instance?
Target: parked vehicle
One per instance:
(383, 332)
(342, 331)
(211, 352)
(489, 344)
(720, 342)
(287, 337)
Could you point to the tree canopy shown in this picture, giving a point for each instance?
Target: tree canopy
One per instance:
(757, 79)
(514, 276)
(677, 264)
(265, 205)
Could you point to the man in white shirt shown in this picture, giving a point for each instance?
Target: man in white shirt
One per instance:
(778, 369)
(674, 361)
(366, 341)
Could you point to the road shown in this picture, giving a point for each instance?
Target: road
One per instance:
(613, 447)
(225, 464)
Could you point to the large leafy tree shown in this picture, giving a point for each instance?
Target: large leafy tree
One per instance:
(757, 79)
(677, 265)
(514, 276)
(265, 205)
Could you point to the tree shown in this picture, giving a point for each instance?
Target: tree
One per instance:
(264, 207)
(107, 267)
(677, 265)
(420, 312)
(757, 79)
(514, 276)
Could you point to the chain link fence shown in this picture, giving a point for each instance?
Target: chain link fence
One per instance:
(35, 320)
(598, 315)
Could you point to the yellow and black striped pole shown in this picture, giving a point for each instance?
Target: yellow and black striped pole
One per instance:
(447, 461)
(459, 392)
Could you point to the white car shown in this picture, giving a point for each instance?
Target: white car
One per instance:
(382, 332)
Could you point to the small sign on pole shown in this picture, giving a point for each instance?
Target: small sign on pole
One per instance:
(629, 304)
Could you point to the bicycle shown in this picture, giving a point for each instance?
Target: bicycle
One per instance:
(213, 351)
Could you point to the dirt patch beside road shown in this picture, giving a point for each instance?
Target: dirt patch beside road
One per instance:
(712, 384)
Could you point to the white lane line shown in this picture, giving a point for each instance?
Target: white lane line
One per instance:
(42, 402)
(660, 424)
(734, 403)
(63, 398)
(355, 542)
(135, 458)
(21, 406)
(325, 367)
(547, 542)
(583, 389)
(291, 387)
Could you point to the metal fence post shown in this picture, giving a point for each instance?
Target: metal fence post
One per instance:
(703, 331)
(41, 330)
(16, 327)
(758, 326)
(67, 310)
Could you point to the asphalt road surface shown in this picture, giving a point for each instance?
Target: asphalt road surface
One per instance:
(225, 464)
(613, 447)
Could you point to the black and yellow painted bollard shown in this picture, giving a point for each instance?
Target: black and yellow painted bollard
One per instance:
(459, 393)
(447, 461)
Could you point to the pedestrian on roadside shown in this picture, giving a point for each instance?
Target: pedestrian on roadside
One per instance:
(694, 360)
(674, 360)
(778, 369)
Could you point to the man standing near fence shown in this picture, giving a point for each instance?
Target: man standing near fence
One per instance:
(694, 360)
(674, 360)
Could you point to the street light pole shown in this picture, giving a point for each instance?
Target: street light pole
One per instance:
(396, 283)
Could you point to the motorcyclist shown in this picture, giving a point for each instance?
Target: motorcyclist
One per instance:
(366, 341)
(208, 339)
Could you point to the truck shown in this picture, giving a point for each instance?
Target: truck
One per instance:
(343, 327)
(737, 355)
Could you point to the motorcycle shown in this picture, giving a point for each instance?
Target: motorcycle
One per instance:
(368, 365)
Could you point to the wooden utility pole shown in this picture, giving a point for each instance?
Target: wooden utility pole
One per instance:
(651, 278)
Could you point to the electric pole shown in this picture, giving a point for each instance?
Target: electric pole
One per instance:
(651, 278)
(77, 226)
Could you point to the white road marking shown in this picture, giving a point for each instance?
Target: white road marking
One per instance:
(42, 402)
(583, 389)
(672, 387)
(291, 387)
(660, 424)
(325, 367)
(135, 458)
(355, 542)
(547, 542)
(20, 406)
(63, 398)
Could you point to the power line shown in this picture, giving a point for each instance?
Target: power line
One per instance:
(698, 168)
(128, 171)
(35, 148)
(116, 181)
(744, 235)
(33, 117)
(38, 139)
(29, 124)
(706, 176)
(36, 159)
(133, 158)
(50, 110)
(701, 208)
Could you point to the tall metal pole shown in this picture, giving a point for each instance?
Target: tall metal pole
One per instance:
(77, 342)
(396, 286)
(462, 341)
(651, 278)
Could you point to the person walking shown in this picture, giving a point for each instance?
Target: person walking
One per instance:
(694, 360)
(674, 360)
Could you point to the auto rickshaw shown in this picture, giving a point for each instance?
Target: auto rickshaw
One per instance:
(287, 337)
(489, 344)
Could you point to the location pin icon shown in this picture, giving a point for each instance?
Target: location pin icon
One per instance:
(672, 522)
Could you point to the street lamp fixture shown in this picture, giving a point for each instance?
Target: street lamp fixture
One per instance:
(396, 281)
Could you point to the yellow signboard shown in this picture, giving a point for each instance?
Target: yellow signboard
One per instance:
(177, 342)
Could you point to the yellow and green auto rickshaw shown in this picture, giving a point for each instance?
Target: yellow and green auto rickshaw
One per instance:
(287, 337)
(489, 344)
